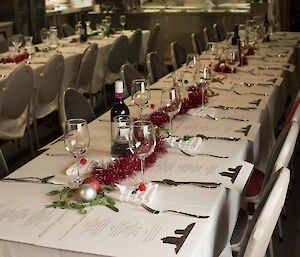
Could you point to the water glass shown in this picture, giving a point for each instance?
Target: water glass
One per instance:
(140, 93)
(78, 28)
(171, 103)
(232, 58)
(77, 141)
(142, 141)
(123, 21)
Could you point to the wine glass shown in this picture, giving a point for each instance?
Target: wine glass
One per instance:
(192, 64)
(142, 141)
(123, 21)
(212, 52)
(244, 49)
(77, 140)
(232, 58)
(78, 28)
(108, 19)
(140, 93)
(28, 45)
(171, 103)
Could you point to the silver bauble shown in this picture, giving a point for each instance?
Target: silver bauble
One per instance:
(86, 193)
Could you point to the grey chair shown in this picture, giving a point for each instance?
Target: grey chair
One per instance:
(198, 42)
(255, 238)
(117, 56)
(178, 55)
(15, 104)
(134, 47)
(128, 74)
(209, 35)
(68, 30)
(86, 71)
(219, 31)
(3, 166)
(47, 90)
(155, 67)
(153, 38)
(73, 105)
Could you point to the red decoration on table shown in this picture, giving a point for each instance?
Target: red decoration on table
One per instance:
(83, 161)
(142, 187)
(126, 166)
(74, 40)
(251, 51)
(152, 106)
(17, 59)
(94, 182)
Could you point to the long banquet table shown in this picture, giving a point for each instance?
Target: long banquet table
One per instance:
(28, 229)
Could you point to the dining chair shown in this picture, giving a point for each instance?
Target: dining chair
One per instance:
(153, 38)
(219, 32)
(74, 105)
(156, 68)
(254, 240)
(280, 157)
(68, 30)
(15, 105)
(128, 74)
(86, 71)
(3, 166)
(178, 55)
(209, 35)
(117, 56)
(198, 42)
(134, 47)
(47, 90)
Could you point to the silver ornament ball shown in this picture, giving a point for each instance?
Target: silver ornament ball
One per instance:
(87, 193)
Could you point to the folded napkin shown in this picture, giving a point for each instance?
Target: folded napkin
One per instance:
(198, 112)
(190, 145)
(131, 195)
(85, 168)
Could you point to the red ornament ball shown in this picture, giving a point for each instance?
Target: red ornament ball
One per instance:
(142, 187)
(152, 106)
(92, 181)
(83, 161)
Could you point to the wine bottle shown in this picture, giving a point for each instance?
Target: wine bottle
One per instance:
(119, 108)
(235, 42)
(120, 124)
(267, 28)
(83, 30)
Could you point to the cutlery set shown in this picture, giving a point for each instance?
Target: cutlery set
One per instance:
(250, 93)
(219, 138)
(33, 180)
(234, 107)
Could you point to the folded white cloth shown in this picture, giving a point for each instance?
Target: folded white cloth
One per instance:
(191, 145)
(84, 169)
(131, 195)
(198, 112)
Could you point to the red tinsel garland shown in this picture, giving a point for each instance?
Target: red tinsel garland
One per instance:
(128, 165)
(221, 66)
(17, 59)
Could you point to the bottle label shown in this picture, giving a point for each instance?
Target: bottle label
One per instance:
(119, 95)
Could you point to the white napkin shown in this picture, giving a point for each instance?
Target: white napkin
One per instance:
(131, 195)
(191, 145)
(197, 112)
(84, 169)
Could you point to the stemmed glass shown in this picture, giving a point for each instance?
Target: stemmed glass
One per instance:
(212, 52)
(123, 21)
(192, 64)
(140, 93)
(142, 141)
(171, 103)
(78, 28)
(108, 19)
(232, 58)
(14, 42)
(28, 45)
(77, 140)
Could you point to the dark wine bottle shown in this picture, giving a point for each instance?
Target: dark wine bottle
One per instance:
(83, 30)
(235, 41)
(120, 125)
(119, 108)
(236, 38)
(267, 28)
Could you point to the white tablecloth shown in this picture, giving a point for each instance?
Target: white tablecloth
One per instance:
(209, 237)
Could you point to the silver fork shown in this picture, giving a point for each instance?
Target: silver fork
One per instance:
(205, 154)
(149, 209)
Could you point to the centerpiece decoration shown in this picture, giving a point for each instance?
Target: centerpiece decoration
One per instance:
(16, 59)
(126, 166)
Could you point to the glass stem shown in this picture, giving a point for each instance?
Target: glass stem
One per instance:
(78, 168)
(171, 126)
(142, 170)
